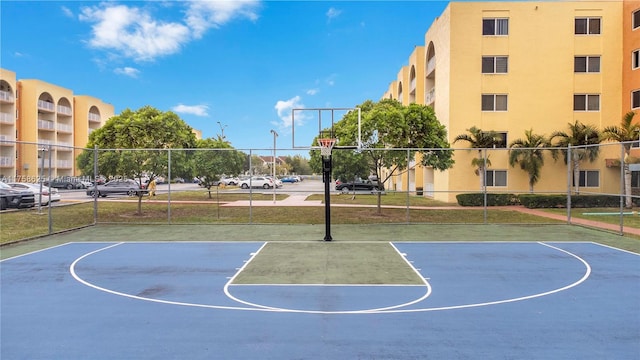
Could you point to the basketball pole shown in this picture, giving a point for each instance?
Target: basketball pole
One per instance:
(326, 176)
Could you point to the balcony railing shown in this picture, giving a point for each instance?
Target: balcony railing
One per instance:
(431, 65)
(430, 96)
(46, 125)
(7, 118)
(65, 128)
(7, 138)
(6, 96)
(64, 110)
(45, 142)
(7, 161)
(45, 105)
(64, 164)
(94, 117)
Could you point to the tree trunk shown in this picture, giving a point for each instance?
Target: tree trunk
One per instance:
(481, 174)
(576, 172)
(627, 186)
(140, 203)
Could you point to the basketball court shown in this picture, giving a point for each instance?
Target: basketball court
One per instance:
(203, 300)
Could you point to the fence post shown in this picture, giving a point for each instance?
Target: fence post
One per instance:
(95, 184)
(623, 192)
(169, 186)
(569, 172)
(49, 204)
(484, 184)
(250, 188)
(408, 189)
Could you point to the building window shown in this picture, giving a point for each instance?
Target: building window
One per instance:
(587, 26)
(586, 64)
(495, 64)
(636, 19)
(635, 99)
(496, 178)
(494, 102)
(635, 59)
(586, 102)
(495, 26)
(589, 178)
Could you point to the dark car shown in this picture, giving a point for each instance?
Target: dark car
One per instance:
(117, 187)
(366, 185)
(13, 198)
(68, 183)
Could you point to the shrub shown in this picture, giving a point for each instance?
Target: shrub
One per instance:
(532, 201)
(477, 199)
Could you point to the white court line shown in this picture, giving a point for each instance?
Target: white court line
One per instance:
(36, 251)
(372, 311)
(615, 248)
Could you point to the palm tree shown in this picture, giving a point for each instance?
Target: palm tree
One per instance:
(480, 140)
(580, 136)
(529, 154)
(626, 132)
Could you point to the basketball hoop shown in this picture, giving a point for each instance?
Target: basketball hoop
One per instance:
(326, 145)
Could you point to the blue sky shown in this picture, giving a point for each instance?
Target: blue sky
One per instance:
(236, 65)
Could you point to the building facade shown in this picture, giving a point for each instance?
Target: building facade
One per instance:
(43, 117)
(510, 67)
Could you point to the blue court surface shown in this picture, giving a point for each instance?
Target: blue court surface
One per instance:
(170, 300)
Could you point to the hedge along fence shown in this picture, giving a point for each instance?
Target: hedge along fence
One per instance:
(535, 201)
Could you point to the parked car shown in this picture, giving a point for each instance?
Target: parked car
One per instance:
(35, 189)
(289, 179)
(257, 181)
(365, 185)
(15, 198)
(230, 181)
(115, 187)
(277, 182)
(68, 183)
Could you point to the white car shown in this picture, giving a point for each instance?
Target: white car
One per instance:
(256, 181)
(35, 189)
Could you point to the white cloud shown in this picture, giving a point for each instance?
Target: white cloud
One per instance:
(331, 79)
(313, 91)
(284, 109)
(133, 32)
(127, 71)
(333, 13)
(197, 110)
(67, 12)
(203, 15)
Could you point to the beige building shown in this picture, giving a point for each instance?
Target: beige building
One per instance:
(41, 116)
(513, 66)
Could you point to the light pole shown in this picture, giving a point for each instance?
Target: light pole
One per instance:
(222, 127)
(275, 135)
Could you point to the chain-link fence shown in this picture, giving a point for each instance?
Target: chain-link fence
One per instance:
(252, 186)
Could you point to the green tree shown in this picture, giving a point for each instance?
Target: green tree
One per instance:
(581, 138)
(298, 165)
(136, 144)
(480, 140)
(214, 158)
(627, 132)
(528, 152)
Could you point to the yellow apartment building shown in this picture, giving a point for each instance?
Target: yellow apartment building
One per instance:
(513, 66)
(41, 116)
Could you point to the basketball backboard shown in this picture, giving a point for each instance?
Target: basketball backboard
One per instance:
(308, 123)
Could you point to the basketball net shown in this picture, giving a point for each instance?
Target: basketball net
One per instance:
(326, 145)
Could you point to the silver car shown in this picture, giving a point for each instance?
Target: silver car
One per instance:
(117, 187)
